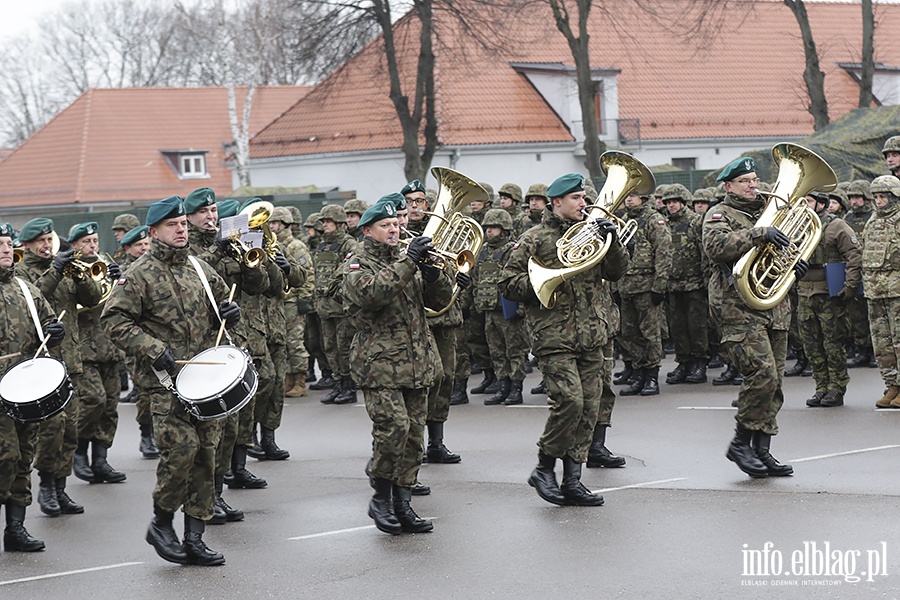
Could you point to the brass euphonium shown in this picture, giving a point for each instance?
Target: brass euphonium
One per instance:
(765, 273)
(258, 215)
(580, 249)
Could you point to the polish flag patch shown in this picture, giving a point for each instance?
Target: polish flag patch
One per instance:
(354, 266)
(121, 281)
(716, 216)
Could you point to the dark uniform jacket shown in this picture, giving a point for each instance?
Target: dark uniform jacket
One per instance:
(838, 244)
(651, 253)
(688, 270)
(330, 255)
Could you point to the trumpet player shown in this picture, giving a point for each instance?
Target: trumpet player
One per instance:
(754, 340)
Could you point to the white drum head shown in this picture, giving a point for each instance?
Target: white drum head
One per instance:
(32, 379)
(199, 382)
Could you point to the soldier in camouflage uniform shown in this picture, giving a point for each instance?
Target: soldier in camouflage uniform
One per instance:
(158, 312)
(643, 290)
(394, 358)
(17, 439)
(536, 199)
(355, 209)
(754, 340)
(476, 341)
(881, 282)
(861, 201)
(568, 339)
(891, 153)
(824, 325)
(313, 334)
(510, 198)
(122, 224)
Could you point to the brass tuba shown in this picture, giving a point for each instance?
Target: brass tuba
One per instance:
(765, 273)
(580, 249)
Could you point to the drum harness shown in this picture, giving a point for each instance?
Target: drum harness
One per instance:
(32, 309)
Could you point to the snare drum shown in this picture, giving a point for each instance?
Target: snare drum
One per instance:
(214, 391)
(35, 389)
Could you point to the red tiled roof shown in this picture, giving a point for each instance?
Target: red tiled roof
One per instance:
(748, 83)
(106, 145)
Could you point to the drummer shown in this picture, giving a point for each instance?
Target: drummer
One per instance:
(17, 440)
(160, 313)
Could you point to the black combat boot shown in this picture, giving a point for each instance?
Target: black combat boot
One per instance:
(459, 395)
(678, 375)
(634, 388)
(80, 465)
(231, 514)
(651, 382)
(161, 535)
(715, 359)
(799, 366)
(833, 398)
(243, 479)
(515, 394)
(599, 455)
(332, 395)
(269, 447)
(66, 505)
(348, 392)
(697, 373)
(543, 480)
(147, 445)
(47, 495)
(857, 357)
(381, 508)
(502, 393)
(325, 383)
(15, 537)
(815, 400)
(572, 488)
(489, 378)
(255, 451)
(218, 517)
(311, 370)
(743, 456)
(761, 444)
(540, 389)
(421, 489)
(103, 471)
(727, 376)
(437, 452)
(622, 377)
(197, 551)
(410, 522)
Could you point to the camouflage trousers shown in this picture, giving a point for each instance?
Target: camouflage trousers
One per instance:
(98, 414)
(476, 340)
(607, 395)
(227, 442)
(858, 313)
(640, 340)
(270, 401)
(759, 355)
(143, 415)
(574, 389)
(295, 334)
(313, 340)
(337, 335)
(463, 358)
(187, 458)
(439, 393)
(688, 314)
(824, 327)
(398, 432)
(884, 323)
(17, 443)
(507, 344)
(57, 437)
(795, 342)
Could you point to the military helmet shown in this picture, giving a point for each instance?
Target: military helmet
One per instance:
(843, 186)
(720, 192)
(281, 213)
(841, 196)
(860, 187)
(489, 189)
(334, 212)
(314, 221)
(678, 192)
(886, 184)
(430, 197)
(539, 190)
(590, 193)
(126, 222)
(497, 217)
(704, 195)
(513, 191)
(355, 206)
(660, 190)
(295, 212)
(765, 186)
(891, 145)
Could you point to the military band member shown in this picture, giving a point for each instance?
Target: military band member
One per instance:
(861, 202)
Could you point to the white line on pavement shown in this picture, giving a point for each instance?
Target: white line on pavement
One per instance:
(706, 408)
(639, 485)
(339, 531)
(65, 573)
(847, 453)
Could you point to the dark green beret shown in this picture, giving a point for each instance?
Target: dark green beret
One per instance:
(383, 209)
(736, 168)
(228, 208)
(35, 228)
(398, 200)
(571, 182)
(413, 186)
(82, 230)
(6, 230)
(198, 199)
(248, 202)
(167, 208)
(134, 235)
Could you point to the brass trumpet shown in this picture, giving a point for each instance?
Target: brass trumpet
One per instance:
(78, 268)
(250, 257)
(18, 255)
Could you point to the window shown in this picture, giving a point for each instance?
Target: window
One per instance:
(687, 164)
(193, 165)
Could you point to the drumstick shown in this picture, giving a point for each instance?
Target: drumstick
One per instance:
(13, 355)
(222, 325)
(191, 362)
(47, 338)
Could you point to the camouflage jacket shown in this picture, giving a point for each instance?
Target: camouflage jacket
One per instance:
(96, 347)
(651, 253)
(386, 296)
(580, 319)
(494, 254)
(838, 244)
(688, 259)
(330, 255)
(881, 253)
(857, 218)
(19, 334)
(297, 252)
(160, 303)
(521, 222)
(729, 232)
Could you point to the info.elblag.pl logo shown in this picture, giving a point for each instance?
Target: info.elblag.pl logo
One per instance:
(813, 563)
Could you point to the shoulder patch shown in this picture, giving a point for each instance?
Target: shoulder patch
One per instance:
(661, 222)
(354, 266)
(716, 216)
(121, 281)
(516, 245)
(349, 254)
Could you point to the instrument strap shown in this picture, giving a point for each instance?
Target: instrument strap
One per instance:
(212, 299)
(29, 299)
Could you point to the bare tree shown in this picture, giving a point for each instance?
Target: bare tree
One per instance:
(868, 55)
(812, 74)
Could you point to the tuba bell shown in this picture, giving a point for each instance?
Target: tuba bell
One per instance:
(765, 273)
(579, 249)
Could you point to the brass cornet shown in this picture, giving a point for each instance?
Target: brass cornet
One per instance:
(78, 268)
(18, 255)
(250, 257)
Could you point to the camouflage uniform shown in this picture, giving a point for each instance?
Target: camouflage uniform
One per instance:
(297, 304)
(857, 309)
(143, 417)
(336, 328)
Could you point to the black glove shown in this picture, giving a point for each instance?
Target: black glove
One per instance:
(165, 362)
(801, 268)
(418, 248)
(604, 227)
(63, 259)
(630, 246)
(222, 243)
(283, 263)
(230, 313)
(430, 273)
(773, 235)
(846, 293)
(56, 331)
(657, 298)
(113, 271)
(463, 280)
(617, 298)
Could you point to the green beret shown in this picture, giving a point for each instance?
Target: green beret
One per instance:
(167, 208)
(398, 200)
(125, 221)
(248, 202)
(198, 199)
(83, 230)
(383, 209)
(413, 186)
(135, 235)
(228, 208)
(571, 182)
(35, 228)
(736, 168)
(6, 230)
